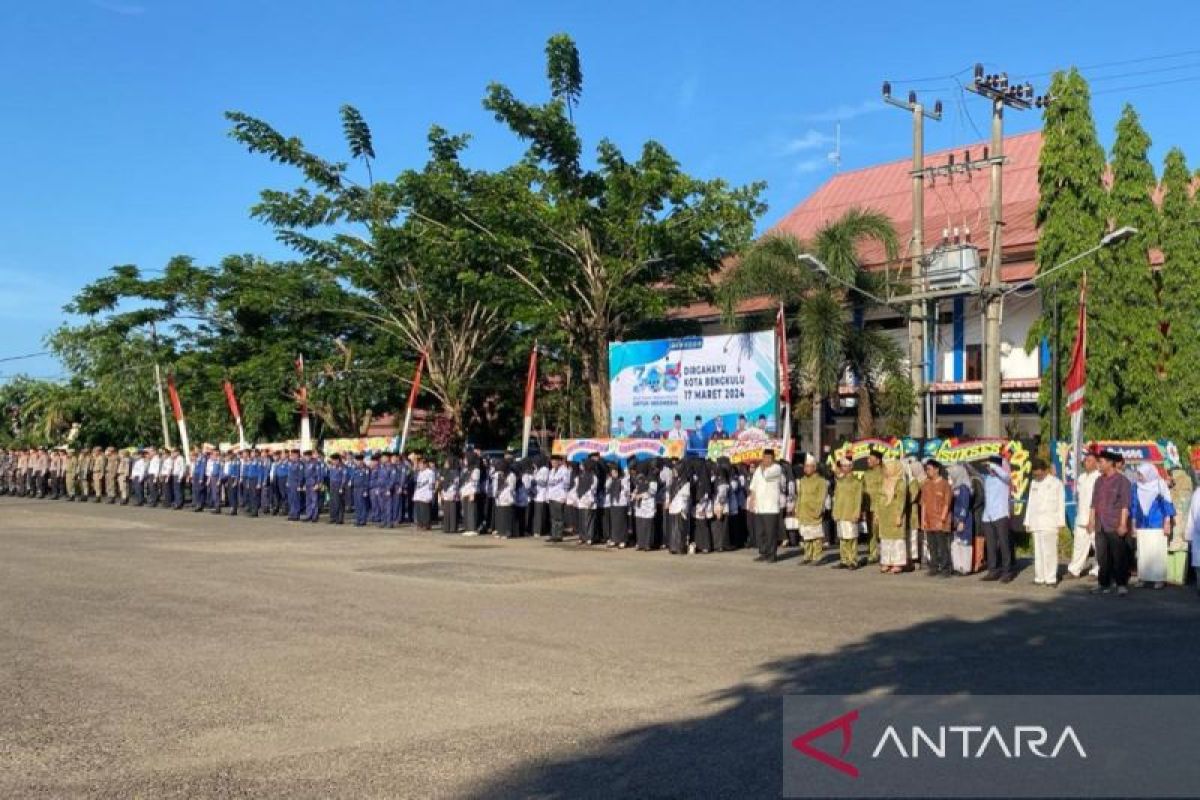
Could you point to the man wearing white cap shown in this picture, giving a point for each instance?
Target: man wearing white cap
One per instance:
(847, 512)
(811, 493)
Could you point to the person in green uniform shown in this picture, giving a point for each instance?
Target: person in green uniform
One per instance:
(918, 549)
(847, 512)
(872, 481)
(893, 521)
(811, 493)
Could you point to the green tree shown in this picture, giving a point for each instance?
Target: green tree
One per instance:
(1180, 277)
(424, 270)
(1127, 396)
(246, 320)
(610, 246)
(831, 345)
(38, 412)
(1070, 217)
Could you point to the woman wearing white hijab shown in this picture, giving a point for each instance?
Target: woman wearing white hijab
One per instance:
(1152, 515)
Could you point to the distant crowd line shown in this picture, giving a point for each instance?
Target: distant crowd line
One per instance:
(906, 515)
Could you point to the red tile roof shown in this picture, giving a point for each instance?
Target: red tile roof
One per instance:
(957, 202)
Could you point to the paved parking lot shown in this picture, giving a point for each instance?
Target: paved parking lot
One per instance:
(149, 653)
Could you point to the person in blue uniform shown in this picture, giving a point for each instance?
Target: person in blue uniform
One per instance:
(390, 493)
(251, 483)
(402, 504)
(314, 476)
(376, 483)
(231, 479)
(279, 501)
(335, 481)
(360, 491)
(295, 486)
(266, 482)
(216, 466)
(199, 472)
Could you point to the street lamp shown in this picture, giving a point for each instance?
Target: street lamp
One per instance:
(1122, 234)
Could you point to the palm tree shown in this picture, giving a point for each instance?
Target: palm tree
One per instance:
(831, 346)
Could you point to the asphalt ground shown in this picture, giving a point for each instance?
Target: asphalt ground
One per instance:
(151, 653)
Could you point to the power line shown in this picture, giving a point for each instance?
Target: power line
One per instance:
(1117, 76)
(1147, 85)
(1121, 63)
(951, 76)
(27, 355)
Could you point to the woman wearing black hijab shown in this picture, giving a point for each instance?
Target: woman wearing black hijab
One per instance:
(506, 497)
(587, 490)
(450, 484)
(702, 508)
(472, 482)
(679, 504)
(616, 506)
(645, 503)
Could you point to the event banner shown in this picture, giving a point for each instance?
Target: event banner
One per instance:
(747, 450)
(361, 444)
(952, 450)
(714, 384)
(617, 449)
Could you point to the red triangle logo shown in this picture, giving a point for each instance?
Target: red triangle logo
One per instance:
(844, 723)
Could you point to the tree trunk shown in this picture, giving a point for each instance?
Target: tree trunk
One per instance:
(866, 418)
(816, 423)
(595, 373)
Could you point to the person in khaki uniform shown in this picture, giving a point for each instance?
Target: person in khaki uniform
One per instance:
(71, 473)
(847, 512)
(83, 471)
(811, 492)
(872, 482)
(97, 466)
(124, 463)
(112, 465)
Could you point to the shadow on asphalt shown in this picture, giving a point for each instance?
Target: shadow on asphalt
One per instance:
(1073, 644)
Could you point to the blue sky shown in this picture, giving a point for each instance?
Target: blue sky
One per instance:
(117, 150)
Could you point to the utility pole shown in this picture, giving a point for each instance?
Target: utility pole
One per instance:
(996, 89)
(162, 405)
(916, 315)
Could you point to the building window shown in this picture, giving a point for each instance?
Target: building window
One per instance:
(973, 356)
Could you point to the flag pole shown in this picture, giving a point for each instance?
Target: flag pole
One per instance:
(530, 390)
(786, 383)
(302, 395)
(1077, 380)
(412, 401)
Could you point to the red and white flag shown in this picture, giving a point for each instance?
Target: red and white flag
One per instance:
(1077, 379)
(231, 399)
(785, 382)
(530, 391)
(177, 410)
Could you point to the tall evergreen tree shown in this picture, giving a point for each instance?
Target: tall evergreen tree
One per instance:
(1070, 217)
(1181, 298)
(1127, 396)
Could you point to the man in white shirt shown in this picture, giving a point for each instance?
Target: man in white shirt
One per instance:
(1084, 539)
(1045, 514)
(151, 482)
(138, 477)
(766, 523)
(556, 495)
(178, 473)
(677, 433)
